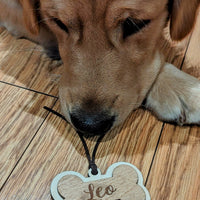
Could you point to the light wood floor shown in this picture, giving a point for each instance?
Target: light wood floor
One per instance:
(36, 145)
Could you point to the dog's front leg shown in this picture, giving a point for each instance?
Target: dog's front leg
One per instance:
(175, 97)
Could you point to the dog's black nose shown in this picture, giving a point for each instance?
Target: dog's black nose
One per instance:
(92, 123)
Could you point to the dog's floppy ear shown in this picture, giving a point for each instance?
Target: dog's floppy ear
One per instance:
(30, 15)
(182, 17)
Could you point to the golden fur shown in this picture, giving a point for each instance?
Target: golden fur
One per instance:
(103, 72)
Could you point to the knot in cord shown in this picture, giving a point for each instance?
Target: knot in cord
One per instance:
(94, 168)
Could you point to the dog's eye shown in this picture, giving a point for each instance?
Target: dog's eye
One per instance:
(131, 26)
(61, 25)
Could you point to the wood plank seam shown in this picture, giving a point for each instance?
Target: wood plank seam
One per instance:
(154, 155)
(48, 113)
(164, 124)
(29, 89)
(181, 67)
(161, 131)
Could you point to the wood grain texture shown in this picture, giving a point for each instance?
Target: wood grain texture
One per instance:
(21, 116)
(57, 148)
(175, 172)
(24, 63)
(122, 184)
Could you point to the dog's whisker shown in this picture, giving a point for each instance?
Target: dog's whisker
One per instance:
(142, 21)
(42, 20)
(45, 19)
(136, 25)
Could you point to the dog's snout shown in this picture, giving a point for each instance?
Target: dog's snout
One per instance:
(92, 123)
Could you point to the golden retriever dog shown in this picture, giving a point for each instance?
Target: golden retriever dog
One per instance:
(111, 56)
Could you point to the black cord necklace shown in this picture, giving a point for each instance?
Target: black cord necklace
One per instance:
(94, 175)
(91, 160)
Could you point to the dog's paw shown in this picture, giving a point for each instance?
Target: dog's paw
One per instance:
(175, 97)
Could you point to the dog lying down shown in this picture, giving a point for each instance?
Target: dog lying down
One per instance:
(111, 56)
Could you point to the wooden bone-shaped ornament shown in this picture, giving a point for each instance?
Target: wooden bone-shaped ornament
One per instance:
(122, 181)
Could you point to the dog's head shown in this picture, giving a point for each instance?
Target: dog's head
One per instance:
(110, 51)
